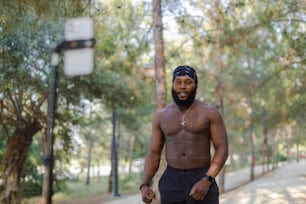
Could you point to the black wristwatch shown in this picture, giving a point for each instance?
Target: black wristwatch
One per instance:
(209, 178)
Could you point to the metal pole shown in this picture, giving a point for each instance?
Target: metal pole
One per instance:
(49, 159)
(114, 157)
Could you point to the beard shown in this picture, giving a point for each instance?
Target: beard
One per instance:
(188, 102)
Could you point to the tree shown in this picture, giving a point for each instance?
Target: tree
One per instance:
(160, 78)
(160, 74)
(254, 54)
(219, 69)
(21, 100)
(263, 56)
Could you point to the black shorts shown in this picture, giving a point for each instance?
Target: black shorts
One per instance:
(176, 184)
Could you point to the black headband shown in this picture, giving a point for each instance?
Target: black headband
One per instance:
(185, 70)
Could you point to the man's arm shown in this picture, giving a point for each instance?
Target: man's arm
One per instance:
(219, 139)
(152, 159)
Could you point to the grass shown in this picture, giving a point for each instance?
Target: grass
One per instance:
(77, 192)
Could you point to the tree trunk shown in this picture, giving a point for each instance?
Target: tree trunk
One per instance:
(298, 148)
(251, 138)
(110, 182)
(13, 159)
(99, 169)
(265, 151)
(273, 150)
(288, 138)
(90, 146)
(219, 87)
(114, 157)
(160, 76)
(160, 79)
(131, 153)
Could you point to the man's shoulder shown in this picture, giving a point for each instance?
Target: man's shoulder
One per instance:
(207, 105)
(166, 109)
(162, 112)
(208, 108)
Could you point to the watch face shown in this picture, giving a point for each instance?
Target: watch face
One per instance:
(209, 178)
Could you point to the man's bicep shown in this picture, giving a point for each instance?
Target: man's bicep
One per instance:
(218, 130)
(157, 138)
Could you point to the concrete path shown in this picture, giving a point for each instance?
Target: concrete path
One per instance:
(285, 185)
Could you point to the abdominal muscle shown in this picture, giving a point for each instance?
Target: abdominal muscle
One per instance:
(188, 153)
(189, 146)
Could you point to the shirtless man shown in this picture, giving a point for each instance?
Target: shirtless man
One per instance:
(186, 128)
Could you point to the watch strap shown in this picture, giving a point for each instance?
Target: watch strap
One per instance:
(209, 178)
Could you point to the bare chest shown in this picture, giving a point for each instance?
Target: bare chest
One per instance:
(194, 124)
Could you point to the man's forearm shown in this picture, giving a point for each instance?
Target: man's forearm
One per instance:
(218, 161)
(150, 167)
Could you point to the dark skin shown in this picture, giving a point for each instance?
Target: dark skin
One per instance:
(186, 147)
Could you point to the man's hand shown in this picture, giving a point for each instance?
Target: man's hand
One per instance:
(147, 194)
(200, 189)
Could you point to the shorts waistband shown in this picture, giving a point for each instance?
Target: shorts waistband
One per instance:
(187, 171)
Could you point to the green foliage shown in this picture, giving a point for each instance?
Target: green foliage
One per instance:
(27, 36)
(32, 187)
(263, 55)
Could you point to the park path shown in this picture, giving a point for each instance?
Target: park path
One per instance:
(284, 185)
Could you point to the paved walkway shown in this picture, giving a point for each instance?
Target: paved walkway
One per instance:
(285, 185)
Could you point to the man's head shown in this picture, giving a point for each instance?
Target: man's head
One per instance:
(184, 85)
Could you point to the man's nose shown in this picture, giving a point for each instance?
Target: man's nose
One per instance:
(183, 85)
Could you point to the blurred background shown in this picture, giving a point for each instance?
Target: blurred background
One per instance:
(250, 60)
